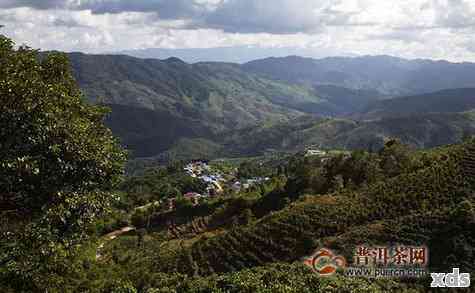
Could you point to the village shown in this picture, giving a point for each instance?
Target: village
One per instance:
(216, 182)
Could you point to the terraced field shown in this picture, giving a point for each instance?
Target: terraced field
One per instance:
(469, 163)
(293, 232)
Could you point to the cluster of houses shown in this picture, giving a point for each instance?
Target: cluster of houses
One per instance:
(246, 184)
(325, 156)
(202, 171)
(214, 181)
(197, 168)
(315, 152)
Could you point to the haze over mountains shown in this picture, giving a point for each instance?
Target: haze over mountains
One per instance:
(164, 107)
(234, 54)
(448, 101)
(388, 75)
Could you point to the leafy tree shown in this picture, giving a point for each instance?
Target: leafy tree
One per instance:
(247, 217)
(395, 158)
(160, 183)
(249, 169)
(141, 235)
(183, 203)
(58, 165)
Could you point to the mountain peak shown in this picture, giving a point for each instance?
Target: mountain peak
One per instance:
(174, 60)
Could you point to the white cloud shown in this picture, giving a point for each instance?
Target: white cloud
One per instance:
(439, 29)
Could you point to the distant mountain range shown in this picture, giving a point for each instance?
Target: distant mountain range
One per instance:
(387, 75)
(170, 108)
(234, 54)
(445, 101)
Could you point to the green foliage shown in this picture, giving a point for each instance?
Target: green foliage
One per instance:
(277, 277)
(183, 203)
(283, 278)
(429, 202)
(395, 158)
(160, 183)
(58, 165)
(250, 169)
(287, 235)
(112, 221)
(351, 171)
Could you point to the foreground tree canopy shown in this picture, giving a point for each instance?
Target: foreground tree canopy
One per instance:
(58, 164)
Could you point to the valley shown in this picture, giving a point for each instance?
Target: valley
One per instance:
(166, 110)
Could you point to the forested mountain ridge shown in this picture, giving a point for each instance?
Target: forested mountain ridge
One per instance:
(419, 130)
(390, 76)
(219, 95)
(163, 107)
(446, 101)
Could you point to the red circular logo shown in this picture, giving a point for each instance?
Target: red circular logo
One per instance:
(325, 262)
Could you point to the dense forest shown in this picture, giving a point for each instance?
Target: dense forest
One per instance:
(63, 190)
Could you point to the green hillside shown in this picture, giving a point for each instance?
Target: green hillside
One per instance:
(288, 234)
(220, 95)
(148, 132)
(446, 101)
(167, 109)
(429, 201)
(423, 131)
(389, 76)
